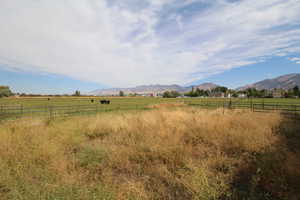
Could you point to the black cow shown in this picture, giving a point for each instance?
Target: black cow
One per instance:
(92, 100)
(105, 101)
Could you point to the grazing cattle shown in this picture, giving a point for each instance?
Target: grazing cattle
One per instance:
(48, 99)
(92, 100)
(105, 101)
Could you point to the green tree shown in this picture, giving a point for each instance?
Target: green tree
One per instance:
(5, 91)
(197, 93)
(77, 93)
(296, 91)
(171, 94)
(166, 94)
(220, 89)
(235, 95)
(252, 92)
(232, 93)
(288, 94)
(121, 94)
(191, 93)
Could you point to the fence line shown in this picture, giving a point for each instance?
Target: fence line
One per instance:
(53, 111)
(283, 107)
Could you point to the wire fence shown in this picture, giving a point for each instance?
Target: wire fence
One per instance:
(255, 107)
(55, 111)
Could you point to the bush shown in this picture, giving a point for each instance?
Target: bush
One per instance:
(171, 94)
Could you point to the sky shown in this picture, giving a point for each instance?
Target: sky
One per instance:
(59, 46)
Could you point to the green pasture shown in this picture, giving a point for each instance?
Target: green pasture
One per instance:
(43, 101)
(64, 106)
(61, 106)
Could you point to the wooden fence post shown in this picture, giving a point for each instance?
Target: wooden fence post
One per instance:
(50, 112)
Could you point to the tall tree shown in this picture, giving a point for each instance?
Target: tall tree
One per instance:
(77, 93)
(121, 94)
(296, 91)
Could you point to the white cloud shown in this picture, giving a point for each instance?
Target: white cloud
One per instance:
(132, 42)
(294, 59)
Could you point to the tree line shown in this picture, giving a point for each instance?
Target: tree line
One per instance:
(225, 92)
(219, 91)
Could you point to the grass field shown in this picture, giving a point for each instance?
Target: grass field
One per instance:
(167, 153)
(65, 106)
(42, 101)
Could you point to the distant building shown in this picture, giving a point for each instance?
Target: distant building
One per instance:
(242, 95)
(217, 94)
(148, 94)
(277, 93)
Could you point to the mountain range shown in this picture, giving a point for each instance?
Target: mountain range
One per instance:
(284, 82)
(146, 89)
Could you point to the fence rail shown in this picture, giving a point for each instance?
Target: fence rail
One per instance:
(283, 107)
(53, 111)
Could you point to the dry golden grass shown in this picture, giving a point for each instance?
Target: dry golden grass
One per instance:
(167, 105)
(178, 153)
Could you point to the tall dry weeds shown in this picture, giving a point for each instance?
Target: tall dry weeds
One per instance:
(182, 153)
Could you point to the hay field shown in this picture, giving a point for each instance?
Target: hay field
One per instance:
(166, 153)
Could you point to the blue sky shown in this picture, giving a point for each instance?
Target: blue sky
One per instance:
(60, 46)
(32, 83)
(237, 77)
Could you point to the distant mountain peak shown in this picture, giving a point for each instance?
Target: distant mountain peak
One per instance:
(286, 82)
(206, 86)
